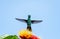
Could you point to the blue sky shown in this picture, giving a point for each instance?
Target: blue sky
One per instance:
(46, 10)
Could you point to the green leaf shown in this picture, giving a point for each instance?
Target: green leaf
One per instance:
(11, 37)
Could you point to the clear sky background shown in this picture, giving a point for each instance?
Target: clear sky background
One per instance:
(46, 10)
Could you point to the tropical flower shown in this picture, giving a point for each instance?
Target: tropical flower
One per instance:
(26, 34)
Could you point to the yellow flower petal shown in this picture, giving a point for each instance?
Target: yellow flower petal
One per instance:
(25, 33)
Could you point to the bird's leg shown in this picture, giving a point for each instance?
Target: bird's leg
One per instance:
(29, 28)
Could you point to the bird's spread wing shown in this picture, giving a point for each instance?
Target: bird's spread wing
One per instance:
(22, 20)
(35, 21)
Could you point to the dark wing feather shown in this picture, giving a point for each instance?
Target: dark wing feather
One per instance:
(22, 20)
(36, 21)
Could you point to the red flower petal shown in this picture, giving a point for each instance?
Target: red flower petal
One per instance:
(34, 37)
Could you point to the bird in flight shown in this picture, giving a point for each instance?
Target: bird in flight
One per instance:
(29, 22)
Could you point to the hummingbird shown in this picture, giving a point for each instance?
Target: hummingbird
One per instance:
(29, 22)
